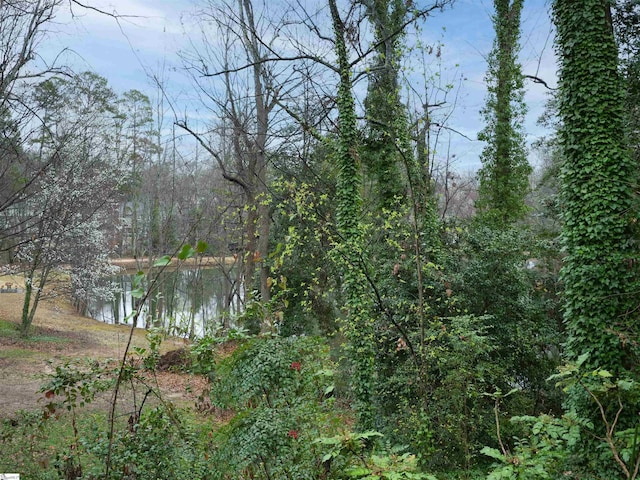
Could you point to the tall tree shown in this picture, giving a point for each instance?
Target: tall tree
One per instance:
(504, 174)
(136, 149)
(597, 195)
(626, 23)
(394, 171)
(22, 28)
(358, 325)
(244, 97)
(380, 154)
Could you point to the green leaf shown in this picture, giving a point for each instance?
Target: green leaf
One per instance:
(136, 280)
(512, 391)
(368, 434)
(357, 472)
(137, 292)
(202, 246)
(328, 440)
(186, 252)
(162, 261)
(626, 385)
(581, 359)
(493, 453)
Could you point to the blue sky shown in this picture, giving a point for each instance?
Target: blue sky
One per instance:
(127, 51)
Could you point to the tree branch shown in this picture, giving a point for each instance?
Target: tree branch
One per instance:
(113, 14)
(214, 154)
(540, 81)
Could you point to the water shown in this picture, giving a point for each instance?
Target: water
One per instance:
(186, 302)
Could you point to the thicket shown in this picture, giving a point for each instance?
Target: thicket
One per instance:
(386, 341)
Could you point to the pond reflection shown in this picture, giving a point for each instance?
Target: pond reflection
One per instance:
(187, 302)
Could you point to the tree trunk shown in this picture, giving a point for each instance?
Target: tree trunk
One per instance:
(598, 198)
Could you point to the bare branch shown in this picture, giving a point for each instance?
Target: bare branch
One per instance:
(540, 81)
(270, 60)
(113, 14)
(213, 153)
(439, 5)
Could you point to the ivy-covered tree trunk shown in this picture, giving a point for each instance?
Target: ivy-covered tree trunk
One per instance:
(381, 157)
(358, 325)
(398, 180)
(598, 178)
(504, 175)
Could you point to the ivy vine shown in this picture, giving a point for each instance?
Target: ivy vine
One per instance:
(358, 326)
(599, 273)
(503, 177)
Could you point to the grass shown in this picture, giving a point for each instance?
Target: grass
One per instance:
(8, 329)
(46, 338)
(11, 330)
(17, 353)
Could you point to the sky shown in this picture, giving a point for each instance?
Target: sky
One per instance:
(145, 40)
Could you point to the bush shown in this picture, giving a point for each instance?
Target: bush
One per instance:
(281, 390)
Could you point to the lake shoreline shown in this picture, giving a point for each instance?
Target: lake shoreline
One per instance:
(135, 264)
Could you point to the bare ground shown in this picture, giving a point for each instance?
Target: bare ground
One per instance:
(61, 335)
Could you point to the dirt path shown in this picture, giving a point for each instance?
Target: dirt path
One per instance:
(61, 335)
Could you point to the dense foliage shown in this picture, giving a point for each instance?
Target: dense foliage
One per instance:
(504, 175)
(362, 335)
(598, 179)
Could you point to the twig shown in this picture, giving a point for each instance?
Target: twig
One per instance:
(610, 428)
(496, 409)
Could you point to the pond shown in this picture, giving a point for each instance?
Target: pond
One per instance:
(186, 302)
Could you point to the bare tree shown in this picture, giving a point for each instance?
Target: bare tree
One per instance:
(244, 100)
(22, 28)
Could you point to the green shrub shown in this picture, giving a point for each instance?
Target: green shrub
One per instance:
(280, 389)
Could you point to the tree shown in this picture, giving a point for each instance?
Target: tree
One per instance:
(381, 157)
(358, 326)
(136, 150)
(626, 23)
(21, 29)
(597, 181)
(504, 174)
(246, 107)
(22, 24)
(69, 207)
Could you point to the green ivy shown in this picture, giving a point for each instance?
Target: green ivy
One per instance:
(504, 175)
(358, 324)
(381, 156)
(598, 177)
